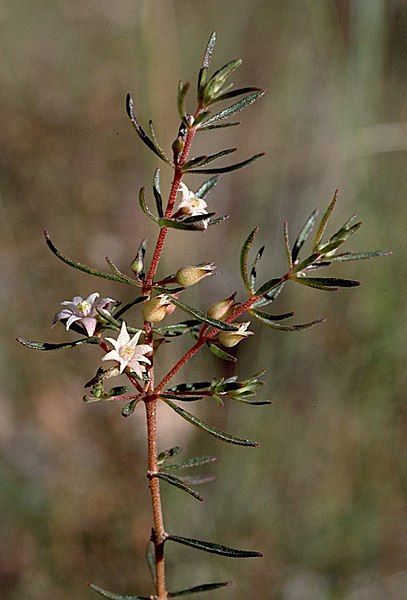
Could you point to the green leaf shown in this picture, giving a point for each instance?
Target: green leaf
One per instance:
(304, 235)
(129, 305)
(203, 317)
(198, 218)
(243, 258)
(183, 398)
(234, 108)
(182, 92)
(157, 193)
(218, 126)
(287, 245)
(217, 220)
(270, 322)
(235, 93)
(229, 168)
(359, 255)
(117, 271)
(324, 221)
(220, 353)
(113, 596)
(206, 187)
(46, 346)
(206, 587)
(245, 400)
(269, 286)
(205, 64)
(253, 273)
(84, 268)
(167, 454)
(204, 160)
(270, 296)
(141, 133)
(157, 145)
(144, 207)
(129, 408)
(191, 387)
(173, 224)
(177, 329)
(329, 284)
(196, 461)
(176, 482)
(114, 322)
(213, 548)
(212, 430)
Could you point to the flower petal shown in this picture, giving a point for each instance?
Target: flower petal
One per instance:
(71, 320)
(89, 324)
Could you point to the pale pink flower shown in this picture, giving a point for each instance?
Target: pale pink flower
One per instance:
(83, 311)
(128, 353)
(190, 204)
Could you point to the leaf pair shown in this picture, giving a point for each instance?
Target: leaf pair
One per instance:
(206, 587)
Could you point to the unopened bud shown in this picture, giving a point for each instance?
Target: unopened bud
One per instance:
(190, 275)
(231, 338)
(156, 309)
(220, 310)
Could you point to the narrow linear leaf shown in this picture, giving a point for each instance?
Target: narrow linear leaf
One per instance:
(314, 283)
(196, 461)
(264, 318)
(182, 92)
(235, 93)
(157, 144)
(129, 408)
(217, 220)
(272, 318)
(140, 131)
(201, 316)
(157, 193)
(243, 258)
(204, 160)
(113, 596)
(324, 220)
(129, 305)
(327, 282)
(253, 272)
(173, 224)
(206, 587)
(84, 268)
(269, 286)
(206, 187)
(176, 482)
(359, 255)
(212, 430)
(183, 398)
(167, 454)
(229, 168)
(198, 218)
(220, 353)
(178, 329)
(47, 346)
(270, 296)
(304, 235)
(213, 548)
(191, 387)
(219, 126)
(116, 271)
(234, 108)
(144, 207)
(246, 400)
(220, 76)
(287, 245)
(205, 64)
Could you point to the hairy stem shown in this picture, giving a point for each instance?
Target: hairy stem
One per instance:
(159, 530)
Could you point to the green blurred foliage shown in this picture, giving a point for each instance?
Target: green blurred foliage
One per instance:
(323, 496)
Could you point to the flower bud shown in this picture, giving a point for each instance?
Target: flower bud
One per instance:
(190, 275)
(156, 309)
(220, 310)
(231, 338)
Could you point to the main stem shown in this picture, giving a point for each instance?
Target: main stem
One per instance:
(159, 530)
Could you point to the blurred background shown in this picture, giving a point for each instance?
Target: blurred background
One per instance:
(323, 495)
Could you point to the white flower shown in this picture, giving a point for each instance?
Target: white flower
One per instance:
(128, 353)
(83, 311)
(190, 204)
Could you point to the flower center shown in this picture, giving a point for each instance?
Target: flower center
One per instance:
(84, 308)
(127, 352)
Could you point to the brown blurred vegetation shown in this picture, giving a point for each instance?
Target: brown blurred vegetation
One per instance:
(323, 496)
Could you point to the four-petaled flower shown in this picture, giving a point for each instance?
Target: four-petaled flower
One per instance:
(190, 204)
(83, 311)
(128, 353)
